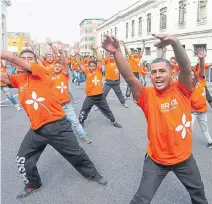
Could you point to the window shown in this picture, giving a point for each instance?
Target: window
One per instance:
(133, 28)
(86, 38)
(202, 11)
(90, 30)
(101, 37)
(85, 46)
(182, 13)
(111, 32)
(90, 46)
(14, 43)
(147, 51)
(183, 46)
(115, 31)
(149, 23)
(140, 26)
(163, 13)
(107, 32)
(127, 27)
(91, 38)
(199, 46)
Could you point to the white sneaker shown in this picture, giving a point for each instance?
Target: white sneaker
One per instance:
(18, 107)
(96, 108)
(125, 105)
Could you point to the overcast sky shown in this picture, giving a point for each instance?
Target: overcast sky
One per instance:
(44, 18)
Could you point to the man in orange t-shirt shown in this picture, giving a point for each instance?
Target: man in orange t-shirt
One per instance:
(144, 72)
(112, 79)
(198, 100)
(48, 123)
(134, 62)
(94, 90)
(175, 68)
(196, 71)
(167, 108)
(60, 78)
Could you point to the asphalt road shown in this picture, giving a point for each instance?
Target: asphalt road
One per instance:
(117, 153)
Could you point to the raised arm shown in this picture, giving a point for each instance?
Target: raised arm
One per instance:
(201, 55)
(4, 78)
(111, 44)
(35, 49)
(54, 49)
(16, 60)
(125, 47)
(185, 74)
(77, 56)
(99, 56)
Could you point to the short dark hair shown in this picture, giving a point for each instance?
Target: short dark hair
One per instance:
(92, 61)
(58, 62)
(28, 51)
(174, 58)
(158, 60)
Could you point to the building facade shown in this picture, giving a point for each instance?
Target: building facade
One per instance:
(189, 20)
(18, 41)
(4, 5)
(88, 35)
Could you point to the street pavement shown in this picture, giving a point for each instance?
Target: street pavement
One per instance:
(117, 153)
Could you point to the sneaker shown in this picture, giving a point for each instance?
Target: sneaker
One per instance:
(75, 102)
(86, 139)
(99, 179)
(125, 105)
(209, 146)
(27, 191)
(115, 124)
(96, 109)
(18, 107)
(126, 97)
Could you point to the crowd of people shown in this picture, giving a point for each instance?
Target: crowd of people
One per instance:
(177, 98)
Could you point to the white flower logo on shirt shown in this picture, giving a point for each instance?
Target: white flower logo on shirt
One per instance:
(35, 101)
(62, 87)
(116, 71)
(184, 126)
(96, 81)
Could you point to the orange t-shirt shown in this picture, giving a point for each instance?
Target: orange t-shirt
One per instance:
(168, 115)
(198, 97)
(93, 85)
(61, 87)
(143, 71)
(74, 64)
(4, 70)
(111, 72)
(134, 63)
(36, 95)
(49, 66)
(197, 69)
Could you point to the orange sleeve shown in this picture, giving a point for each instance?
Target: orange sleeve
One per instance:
(207, 66)
(201, 79)
(14, 80)
(186, 92)
(143, 99)
(37, 70)
(131, 57)
(107, 60)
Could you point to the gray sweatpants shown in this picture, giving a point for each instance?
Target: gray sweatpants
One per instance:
(115, 85)
(153, 175)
